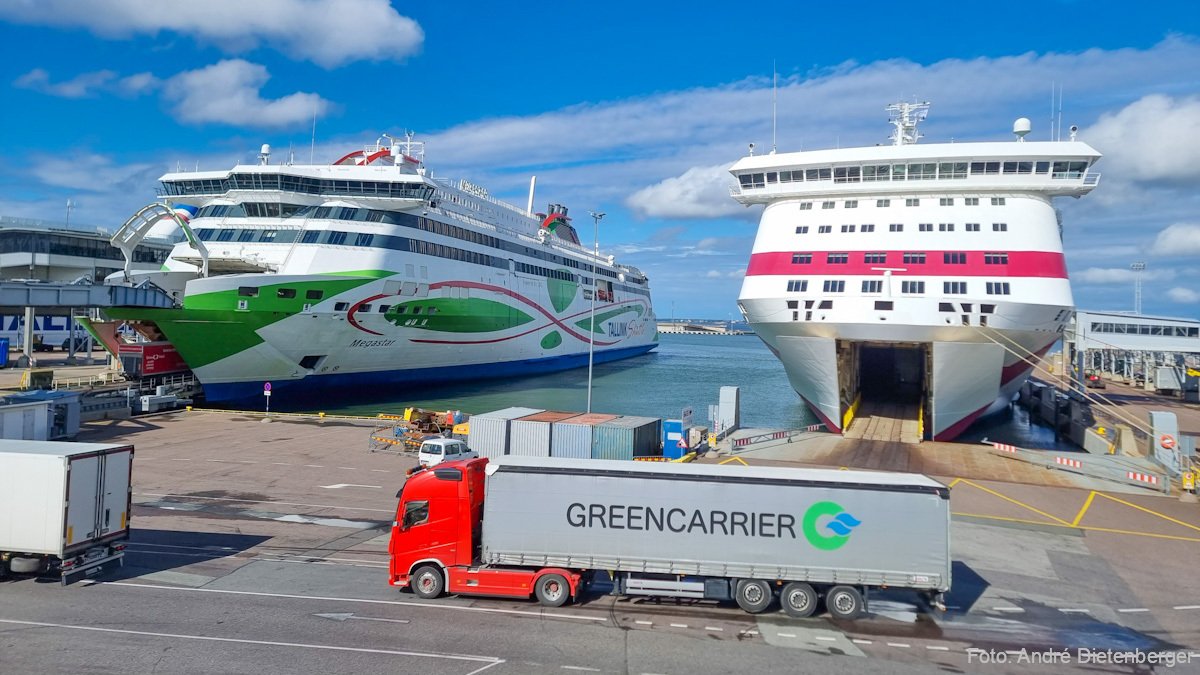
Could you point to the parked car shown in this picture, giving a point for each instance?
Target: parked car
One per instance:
(1093, 380)
(438, 450)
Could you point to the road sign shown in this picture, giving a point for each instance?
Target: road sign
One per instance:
(267, 388)
(686, 417)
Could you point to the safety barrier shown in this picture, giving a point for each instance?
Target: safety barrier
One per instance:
(1142, 477)
(1067, 461)
(1105, 467)
(741, 444)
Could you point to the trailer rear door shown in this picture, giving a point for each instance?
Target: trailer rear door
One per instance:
(82, 504)
(114, 502)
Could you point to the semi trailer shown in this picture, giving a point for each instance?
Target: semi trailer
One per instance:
(64, 507)
(520, 526)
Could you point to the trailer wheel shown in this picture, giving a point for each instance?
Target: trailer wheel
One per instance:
(799, 600)
(427, 582)
(753, 595)
(25, 565)
(552, 590)
(844, 602)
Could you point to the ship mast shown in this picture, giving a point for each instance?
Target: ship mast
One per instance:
(905, 117)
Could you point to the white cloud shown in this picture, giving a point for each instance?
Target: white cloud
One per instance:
(328, 32)
(87, 84)
(1183, 295)
(700, 192)
(229, 92)
(713, 274)
(95, 173)
(1155, 139)
(1177, 239)
(1119, 275)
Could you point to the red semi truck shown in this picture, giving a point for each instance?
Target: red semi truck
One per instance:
(521, 526)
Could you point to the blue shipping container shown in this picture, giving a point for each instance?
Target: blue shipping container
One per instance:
(672, 432)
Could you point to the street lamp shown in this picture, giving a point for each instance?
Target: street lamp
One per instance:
(596, 217)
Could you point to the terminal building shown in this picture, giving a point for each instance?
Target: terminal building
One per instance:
(1151, 351)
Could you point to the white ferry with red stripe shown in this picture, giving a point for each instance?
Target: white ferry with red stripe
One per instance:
(927, 278)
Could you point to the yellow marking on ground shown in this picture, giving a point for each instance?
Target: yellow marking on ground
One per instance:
(1153, 513)
(733, 459)
(1010, 520)
(1141, 534)
(1087, 504)
(1079, 527)
(1014, 501)
(954, 482)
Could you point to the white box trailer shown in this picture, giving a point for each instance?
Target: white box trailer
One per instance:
(64, 507)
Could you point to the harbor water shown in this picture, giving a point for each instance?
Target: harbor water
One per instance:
(685, 371)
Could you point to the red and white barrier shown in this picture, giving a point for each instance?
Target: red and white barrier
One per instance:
(1067, 461)
(1004, 447)
(814, 427)
(1142, 477)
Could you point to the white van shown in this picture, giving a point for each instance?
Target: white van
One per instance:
(437, 450)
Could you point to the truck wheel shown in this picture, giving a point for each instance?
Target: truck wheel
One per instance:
(427, 582)
(844, 602)
(799, 600)
(552, 590)
(753, 595)
(25, 565)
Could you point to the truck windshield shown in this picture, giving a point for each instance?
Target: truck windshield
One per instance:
(415, 513)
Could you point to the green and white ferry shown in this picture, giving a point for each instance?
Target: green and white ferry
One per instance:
(370, 272)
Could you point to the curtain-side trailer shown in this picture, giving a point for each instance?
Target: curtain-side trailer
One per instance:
(521, 526)
(64, 507)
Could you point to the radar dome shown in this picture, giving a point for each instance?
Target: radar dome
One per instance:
(1021, 127)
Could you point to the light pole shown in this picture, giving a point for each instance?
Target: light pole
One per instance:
(596, 217)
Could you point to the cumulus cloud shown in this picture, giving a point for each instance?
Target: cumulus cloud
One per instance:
(1155, 139)
(94, 172)
(87, 84)
(229, 92)
(700, 192)
(329, 33)
(1183, 295)
(1177, 239)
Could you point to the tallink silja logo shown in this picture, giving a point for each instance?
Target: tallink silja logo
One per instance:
(827, 525)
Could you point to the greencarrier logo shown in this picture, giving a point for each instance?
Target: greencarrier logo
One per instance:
(841, 524)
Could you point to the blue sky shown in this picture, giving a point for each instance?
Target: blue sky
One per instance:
(635, 109)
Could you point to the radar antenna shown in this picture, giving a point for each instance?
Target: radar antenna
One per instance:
(905, 117)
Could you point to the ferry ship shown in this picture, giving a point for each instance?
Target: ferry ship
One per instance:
(371, 272)
(928, 278)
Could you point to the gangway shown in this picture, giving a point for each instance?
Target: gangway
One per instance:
(139, 225)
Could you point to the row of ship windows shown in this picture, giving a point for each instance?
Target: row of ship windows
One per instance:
(906, 287)
(287, 293)
(917, 171)
(899, 227)
(1146, 329)
(300, 184)
(888, 305)
(908, 201)
(377, 216)
(910, 258)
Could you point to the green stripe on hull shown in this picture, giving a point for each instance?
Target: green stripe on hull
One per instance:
(203, 336)
(457, 315)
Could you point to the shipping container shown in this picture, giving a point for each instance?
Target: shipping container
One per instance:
(530, 436)
(627, 437)
(150, 358)
(573, 437)
(64, 507)
(489, 432)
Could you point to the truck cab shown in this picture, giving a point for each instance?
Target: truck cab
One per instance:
(437, 450)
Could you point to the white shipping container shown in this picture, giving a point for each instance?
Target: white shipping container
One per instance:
(489, 431)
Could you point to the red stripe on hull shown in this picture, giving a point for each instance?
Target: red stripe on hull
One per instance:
(824, 420)
(1042, 264)
(960, 426)
(1023, 365)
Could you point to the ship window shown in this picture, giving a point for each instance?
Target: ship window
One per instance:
(806, 206)
(785, 176)
(205, 234)
(847, 228)
(912, 287)
(952, 170)
(268, 235)
(983, 321)
(400, 309)
(837, 258)
(824, 229)
(314, 294)
(987, 309)
(1010, 167)
(341, 306)
(999, 227)
(896, 227)
(995, 258)
(417, 308)
(945, 307)
(925, 227)
(248, 291)
(825, 304)
(877, 258)
(923, 171)
(310, 237)
(884, 305)
(384, 308)
(971, 201)
(997, 288)
(867, 227)
(945, 227)
(801, 258)
(872, 286)
(245, 235)
(847, 174)
(914, 258)
(946, 201)
(954, 287)
(1068, 169)
(879, 172)
(1042, 167)
(912, 202)
(745, 180)
(285, 293)
(363, 239)
(954, 258)
(365, 308)
(834, 286)
(793, 304)
(337, 238)
(773, 177)
(225, 235)
(985, 167)
(802, 229)
(883, 203)
(808, 304)
(827, 205)
(997, 201)
(966, 306)
(850, 204)
(898, 172)
(972, 227)
(797, 286)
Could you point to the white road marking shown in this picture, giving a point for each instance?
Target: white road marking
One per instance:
(583, 668)
(348, 468)
(902, 645)
(644, 623)
(261, 501)
(826, 638)
(862, 642)
(281, 463)
(1134, 609)
(937, 648)
(362, 650)
(347, 616)
(1007, 609)
(714, 628)
(398, 603)
(315, 466)
(1186, 607)
(679, 625)
(180, 459)
(1075, 611)
(339, 486)
(233, 461)
(381, 470)
(751, 632)
(791, 635)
